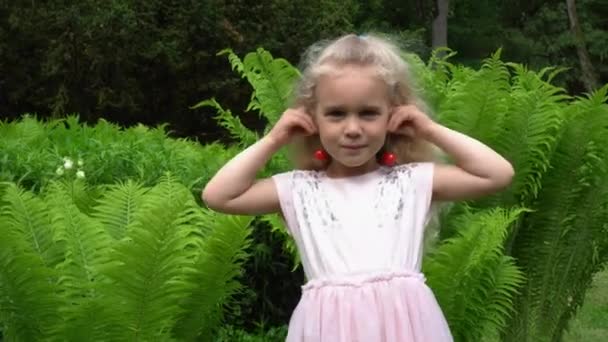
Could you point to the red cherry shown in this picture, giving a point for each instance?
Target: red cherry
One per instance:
(321, 155)
(388, 159)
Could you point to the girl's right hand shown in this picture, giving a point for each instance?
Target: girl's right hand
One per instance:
(293, 122)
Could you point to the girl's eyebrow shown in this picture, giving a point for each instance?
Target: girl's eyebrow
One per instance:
(333, 108)
(370, 108)
(365, 108)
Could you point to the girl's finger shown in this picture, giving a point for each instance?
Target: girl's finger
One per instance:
(389, 125)
(409, 132)
(309, 123)
(394, 123)
(304, 123)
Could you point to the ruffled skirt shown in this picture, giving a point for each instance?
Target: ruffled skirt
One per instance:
(383, 307)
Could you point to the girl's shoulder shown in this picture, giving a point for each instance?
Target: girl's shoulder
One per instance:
(414, 167)
(406, 170)
(417, 171)
(289, 179)
(298, 174)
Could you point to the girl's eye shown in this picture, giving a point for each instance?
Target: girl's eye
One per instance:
(369, 114)
(335, 113)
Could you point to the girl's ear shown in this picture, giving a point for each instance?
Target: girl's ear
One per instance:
(312, 111)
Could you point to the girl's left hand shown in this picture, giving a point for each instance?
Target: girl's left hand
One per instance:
(409, 121)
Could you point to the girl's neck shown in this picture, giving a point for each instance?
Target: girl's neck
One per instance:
(337, 170)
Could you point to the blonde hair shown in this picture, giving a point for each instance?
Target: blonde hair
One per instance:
(369, 50)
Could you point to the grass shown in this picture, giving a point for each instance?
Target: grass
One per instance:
(591, 322)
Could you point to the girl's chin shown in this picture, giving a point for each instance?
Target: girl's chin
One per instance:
(355, 162)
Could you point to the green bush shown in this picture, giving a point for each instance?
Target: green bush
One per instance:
(231, 334)
(34, 152)
(138, 263)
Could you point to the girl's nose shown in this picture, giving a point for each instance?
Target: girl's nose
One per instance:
(353, 127)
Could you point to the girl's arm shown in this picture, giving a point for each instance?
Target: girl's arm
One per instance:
(234, 190)
(479, 170)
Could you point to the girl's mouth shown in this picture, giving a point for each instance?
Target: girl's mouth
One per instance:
(353, 147)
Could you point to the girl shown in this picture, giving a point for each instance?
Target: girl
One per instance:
(359, 200)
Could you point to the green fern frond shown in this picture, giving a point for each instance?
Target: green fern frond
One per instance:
(28, 305)
(272, 80)
(532, 130)
(233, 124)
(215, 271)
(278, 225)
(558, 244)
(25, 219)
(235, 61)
(473, 280)
(477, 105)
(552, 72)
(3, 187)
(85, 246)
(83, 195)
(148, 267)
(439, 61)
(92, 320)
(28, 219)
(116, 209)
(84, 243)
(28, 130)
(429, 82)
(168, 188)
(528, 135)
(279, 162)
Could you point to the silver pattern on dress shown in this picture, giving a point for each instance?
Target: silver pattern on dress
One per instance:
(388, 204)
(312, 201)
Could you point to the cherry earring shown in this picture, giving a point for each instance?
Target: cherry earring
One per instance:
(388, 159)
(321, 155)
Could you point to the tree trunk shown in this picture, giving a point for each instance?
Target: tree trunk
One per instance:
(590, 78)
(440, 24)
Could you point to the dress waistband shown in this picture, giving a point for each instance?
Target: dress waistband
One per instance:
(359, 279)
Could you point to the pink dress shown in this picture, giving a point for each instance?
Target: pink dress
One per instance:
(360, 240)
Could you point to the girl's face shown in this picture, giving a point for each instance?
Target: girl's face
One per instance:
(352, 112)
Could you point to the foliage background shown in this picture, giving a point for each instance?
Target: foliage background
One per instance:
(147, 62)
(131, 62)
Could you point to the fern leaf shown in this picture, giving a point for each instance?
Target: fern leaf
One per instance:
(477, 106)
(25, 218)
(472, 278)
(232, 123)
(528, 135)
(83, 195)
(234, 60)
(94, 319)
(85, 246)
(116, 209)
(278, 225)
(271, 78)
(28, 306)
(223, 253)
(561, 244)
(147, 271)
